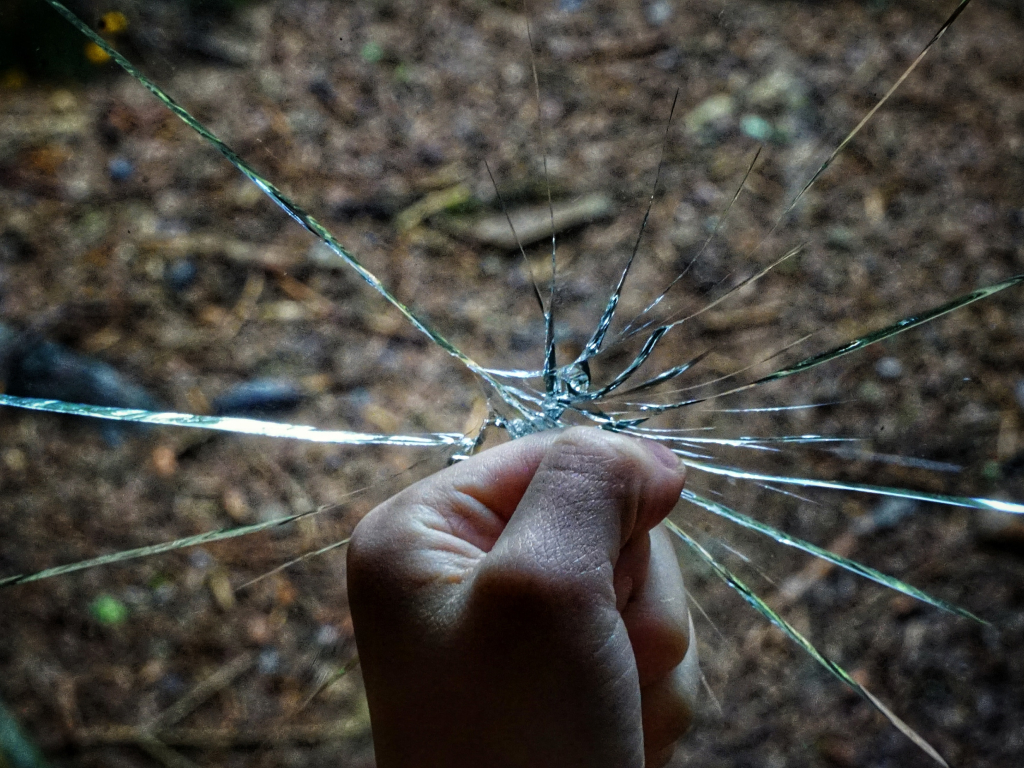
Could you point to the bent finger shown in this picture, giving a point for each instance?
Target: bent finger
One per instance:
(593, 493)
(442, 520)
(657, 617)
(667, 709)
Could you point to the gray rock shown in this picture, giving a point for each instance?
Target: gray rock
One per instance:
(889, 368)
(712, 113)
(657, 12)
(42, 369)
(259, 396)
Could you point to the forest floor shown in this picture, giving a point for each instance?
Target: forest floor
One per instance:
(127, 241)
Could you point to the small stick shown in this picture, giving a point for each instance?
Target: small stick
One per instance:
(224, 738)
(199, 693)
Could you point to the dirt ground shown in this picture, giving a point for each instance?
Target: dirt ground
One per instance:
(128, 242)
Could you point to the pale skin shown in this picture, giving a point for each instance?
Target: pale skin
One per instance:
(525, 609)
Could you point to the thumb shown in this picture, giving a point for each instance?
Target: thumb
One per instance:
(594, 494)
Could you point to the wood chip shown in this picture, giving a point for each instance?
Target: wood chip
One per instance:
(532, 223)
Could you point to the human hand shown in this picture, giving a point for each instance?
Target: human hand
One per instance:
(524, 608)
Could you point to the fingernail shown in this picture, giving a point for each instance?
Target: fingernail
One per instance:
(665, 457)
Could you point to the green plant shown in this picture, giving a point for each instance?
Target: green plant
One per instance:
(569, 388)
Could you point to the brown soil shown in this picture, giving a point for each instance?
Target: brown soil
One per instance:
(126, 239)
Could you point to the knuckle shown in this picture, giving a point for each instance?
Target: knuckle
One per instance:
(597, 458)
(667, 643)
(374, 543)
(527, 589)
(667, 714)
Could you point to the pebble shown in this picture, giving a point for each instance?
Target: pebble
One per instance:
(120, 169)
(323, 90)
(165, 461)
(42, 369)
(275, 510)
(889, 368)
(14, 459)
(712, 113)
(657, 12)
(371, 52)
(235, 505)
(258, 629)
(222, 47)
(221, 589)
(756, 127)
(327, 635)
(778, 89)
(45, 369)
(668, 60)
(258, 397)
(180, 274)
(200, 558)
(269, 661)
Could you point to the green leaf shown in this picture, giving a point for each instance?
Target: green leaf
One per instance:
(108, 610)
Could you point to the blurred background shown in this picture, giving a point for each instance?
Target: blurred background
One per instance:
(138, 268)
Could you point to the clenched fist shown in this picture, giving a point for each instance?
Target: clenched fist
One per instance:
(524, 609)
